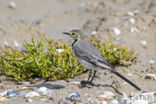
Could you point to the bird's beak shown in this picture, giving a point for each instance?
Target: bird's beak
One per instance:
(66, 33)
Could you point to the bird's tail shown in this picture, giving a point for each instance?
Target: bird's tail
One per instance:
(111, 68)
(128, 81)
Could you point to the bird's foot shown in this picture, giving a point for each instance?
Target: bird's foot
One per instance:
(86, 84)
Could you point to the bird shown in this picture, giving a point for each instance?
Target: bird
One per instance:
(91, 58)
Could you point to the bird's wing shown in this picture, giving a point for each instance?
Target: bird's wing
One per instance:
(86, 51)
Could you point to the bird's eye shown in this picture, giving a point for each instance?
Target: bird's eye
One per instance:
(73, 33)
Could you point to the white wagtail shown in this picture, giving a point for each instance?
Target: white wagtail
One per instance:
(91, 58)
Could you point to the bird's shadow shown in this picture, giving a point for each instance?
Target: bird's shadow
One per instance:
(50, 86)
(100, 85)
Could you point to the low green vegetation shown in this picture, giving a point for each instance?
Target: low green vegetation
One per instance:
(115, 54)
(42, 59)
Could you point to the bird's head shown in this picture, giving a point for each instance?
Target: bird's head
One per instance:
(75, 34)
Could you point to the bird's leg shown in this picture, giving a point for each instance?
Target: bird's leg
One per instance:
(89, 76)
(93, 76)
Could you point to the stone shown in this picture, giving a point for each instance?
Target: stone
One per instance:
(73, 96)
(16, 44)
(42, 89)
(12, 5)
(116, 31)
(140, 102)
(24, 83)
(4, 93)
(113, 102)
(11, 93)
(150, 76)
(132, 20)
(31, 94)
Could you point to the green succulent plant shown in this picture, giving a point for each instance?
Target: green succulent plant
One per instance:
(42, 59)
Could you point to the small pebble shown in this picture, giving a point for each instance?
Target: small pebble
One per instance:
(60, 50)
(136, 11)
(144, 43)
(75, 82)
(51, 98)
(129, 74)
(48, 93)
(125, 83)
(147, 94)
(42, 89)
(113, 102)
(31, 94)
(16, 44)
(24, 83)
(10, 92)
(109, 94)
(151, 61)
(29, 100)
(35, 22)
(132, 30)
(44, 97)
(97, 76)
(103, 99)
(132, 20)
(123, 100)
(4, 93)
(11, 95)
(6, 43)
(37, 79)
(116, 31)
(119, 39)
(12, 5)
(150, 76)
(130, 13)
(93, 32)
(140, 102)
(102, 96)
(26, 88)
(73, 96)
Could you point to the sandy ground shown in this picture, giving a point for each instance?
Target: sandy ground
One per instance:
(136, 20)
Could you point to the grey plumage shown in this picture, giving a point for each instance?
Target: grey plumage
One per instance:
(90, 57)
